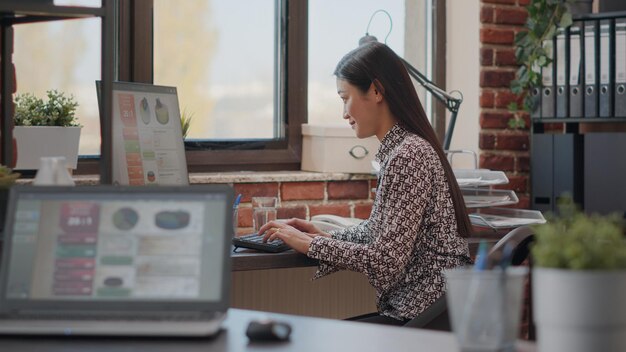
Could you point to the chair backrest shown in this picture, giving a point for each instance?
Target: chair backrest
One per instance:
(435, 317)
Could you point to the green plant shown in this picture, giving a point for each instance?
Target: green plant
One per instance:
(57, 110)
(544, 17)
(7, 177)
(185, 122)
(577, 241)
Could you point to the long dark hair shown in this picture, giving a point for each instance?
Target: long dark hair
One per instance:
(376, 63)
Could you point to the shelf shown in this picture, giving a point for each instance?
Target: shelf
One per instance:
(504, 218)
(579, 120)
(479, 177)
(483, 198)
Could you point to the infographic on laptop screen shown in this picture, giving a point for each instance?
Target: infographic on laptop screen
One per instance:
(148, 147)
(136, 249)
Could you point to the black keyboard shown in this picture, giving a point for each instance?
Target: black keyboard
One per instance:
(255, 241)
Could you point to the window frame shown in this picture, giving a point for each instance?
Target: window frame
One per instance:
(136, 40)
(134, 64)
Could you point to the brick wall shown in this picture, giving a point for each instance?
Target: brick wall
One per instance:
(502, 148)
(306, 199)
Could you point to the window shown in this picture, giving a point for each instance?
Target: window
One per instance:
(245, 69)
(63, 55)
(234, 62)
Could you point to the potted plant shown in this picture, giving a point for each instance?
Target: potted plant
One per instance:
(45, 128)
(579, 282)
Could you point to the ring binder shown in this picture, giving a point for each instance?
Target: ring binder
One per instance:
(547, 91)
(591, 93)
(605, 94)
(575, 81)
(620, 68)
(561, 72)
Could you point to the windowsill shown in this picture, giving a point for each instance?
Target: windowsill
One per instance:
(245, 177)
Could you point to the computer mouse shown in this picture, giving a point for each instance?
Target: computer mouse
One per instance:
(268, 330)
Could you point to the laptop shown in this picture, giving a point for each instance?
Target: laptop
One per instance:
(148, 146)
(116, 260)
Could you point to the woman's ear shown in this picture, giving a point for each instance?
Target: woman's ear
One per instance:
(379, 90)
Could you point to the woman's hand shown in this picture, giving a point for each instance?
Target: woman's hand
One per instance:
(293, 232)
(306, 227)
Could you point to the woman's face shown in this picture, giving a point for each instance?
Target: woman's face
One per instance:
(360, 109)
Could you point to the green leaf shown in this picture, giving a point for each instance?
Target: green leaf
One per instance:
(566, 20)
(512, 106)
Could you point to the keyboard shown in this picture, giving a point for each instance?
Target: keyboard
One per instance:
(254, 241)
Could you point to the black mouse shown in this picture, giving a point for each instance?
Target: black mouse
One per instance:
(268, 330)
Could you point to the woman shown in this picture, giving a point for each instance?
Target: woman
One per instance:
(418, 222)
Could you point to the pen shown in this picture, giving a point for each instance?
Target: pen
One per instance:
(237, 200)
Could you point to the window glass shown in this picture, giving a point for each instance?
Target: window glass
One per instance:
(63, 55)
(220, 56)
(335, 28)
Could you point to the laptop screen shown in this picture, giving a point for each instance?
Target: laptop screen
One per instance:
(118, 244)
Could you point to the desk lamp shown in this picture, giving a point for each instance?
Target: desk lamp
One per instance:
(450, 102)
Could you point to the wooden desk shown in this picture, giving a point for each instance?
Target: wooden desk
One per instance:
(308, 335)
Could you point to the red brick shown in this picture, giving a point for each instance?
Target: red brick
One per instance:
(362, 210)
(505, 57)
(486, 56)
(523, 2)
(517, 183)
(244, 218)
(523, 164)
(486, 14)
(486, 141)
(496, 36)
(526, 117)
(496, 78)
(335, 209)
(555, 127)
(495, 119)
(302, 190)
(348, 190)
(505, 97)
(487, 98)
(497, 162)
(291, 212)
(499, 1)
(249, 190)
(508, 15)
(512, 142)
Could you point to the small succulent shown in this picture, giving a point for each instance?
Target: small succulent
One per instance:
(577, 241)
(7, 177)
(58, 110)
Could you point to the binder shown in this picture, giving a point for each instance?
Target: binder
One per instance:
(561, 71)
(535, 96)
(547, 83)
(591, 91)
(620, 67)
(575, 81)
(605, 94)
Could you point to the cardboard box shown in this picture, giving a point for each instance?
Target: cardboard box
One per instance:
(336, 149)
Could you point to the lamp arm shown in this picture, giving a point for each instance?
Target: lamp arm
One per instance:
(451, 103)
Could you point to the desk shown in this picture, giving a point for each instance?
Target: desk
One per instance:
(281, 283)
(308, 335)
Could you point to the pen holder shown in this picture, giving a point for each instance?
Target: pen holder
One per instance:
(485, 307)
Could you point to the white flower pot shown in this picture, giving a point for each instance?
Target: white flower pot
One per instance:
(578, 311)
(34, 142)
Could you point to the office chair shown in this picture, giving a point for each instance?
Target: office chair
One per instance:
(435, 317)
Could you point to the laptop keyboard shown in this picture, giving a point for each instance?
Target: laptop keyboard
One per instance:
(254, 241)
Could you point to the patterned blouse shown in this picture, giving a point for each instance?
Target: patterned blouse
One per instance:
(410, 236)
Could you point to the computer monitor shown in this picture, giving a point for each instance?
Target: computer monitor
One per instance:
(148, 147)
